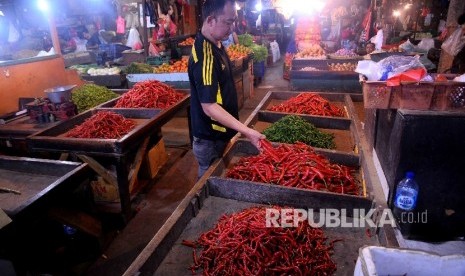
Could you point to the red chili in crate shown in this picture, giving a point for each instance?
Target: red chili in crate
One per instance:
(295, 165)
(102, 125)
(241, 244)
(149, 94)
(308, 103)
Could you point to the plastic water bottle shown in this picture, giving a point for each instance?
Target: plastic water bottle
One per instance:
(406, 193)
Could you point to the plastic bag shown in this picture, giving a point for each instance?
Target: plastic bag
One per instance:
(369, 69)
(426, 44)
(133, 39)
(120, 25)
(394, 65)
(454, 43)
(275, 51)
(407, 46)
(460, 78)
(13, 34)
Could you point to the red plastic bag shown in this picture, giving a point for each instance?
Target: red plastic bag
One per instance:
(413, 75)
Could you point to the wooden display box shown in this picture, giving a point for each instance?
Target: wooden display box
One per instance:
(153, 161)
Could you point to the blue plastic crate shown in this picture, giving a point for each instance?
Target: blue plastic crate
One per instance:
(259, 69)
(113, 51)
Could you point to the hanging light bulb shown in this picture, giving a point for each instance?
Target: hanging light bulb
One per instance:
(43, 5)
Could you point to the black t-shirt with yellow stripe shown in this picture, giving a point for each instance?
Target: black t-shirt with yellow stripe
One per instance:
(211, 81)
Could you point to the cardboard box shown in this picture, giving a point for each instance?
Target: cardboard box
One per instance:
(104, 191)
(375, 260)
(154, 161)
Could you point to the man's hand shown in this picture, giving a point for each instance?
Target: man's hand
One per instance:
(254, 137)
(216, 112)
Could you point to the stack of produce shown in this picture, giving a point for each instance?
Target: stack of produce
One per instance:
(291, 129)
(245, 39)
(309, 68)
(308, 30)
(295, 165)
(149, 94)
(260, 52)
(88, 96)
(241, 244)
(344, 53)
(104, 71)
(313, 51)
(346, 66)
(308, 103)
(187, 42)
(139, 68)
(103, 125)
(238, 51)
(287, 65)
(179, 66)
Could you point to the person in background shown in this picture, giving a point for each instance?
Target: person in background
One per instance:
(214, 110)
(370, 48)
(93, 40)
(378, 39)
(231, 40)
(458, 64)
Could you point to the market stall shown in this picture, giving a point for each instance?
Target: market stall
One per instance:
(404, 117)
(125, 151)
(231, 185)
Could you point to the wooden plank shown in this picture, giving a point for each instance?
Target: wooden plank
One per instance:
(284, 196)
(79, 220)
(110, 178)
(318, 121)
(132, 177)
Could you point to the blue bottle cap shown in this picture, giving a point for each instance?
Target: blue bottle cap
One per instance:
(410, 175)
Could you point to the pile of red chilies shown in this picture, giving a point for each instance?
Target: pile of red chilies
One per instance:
(295, 165)
(241, 244)
(308, 103)
(149, 94)
(102, 125)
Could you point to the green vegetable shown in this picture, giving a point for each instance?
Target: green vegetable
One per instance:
(292, 128)
(245, 39)
(139, 68)
(88, 96)
(260, 53)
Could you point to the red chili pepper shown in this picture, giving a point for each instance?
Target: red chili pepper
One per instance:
(308, 103)
(240, 244)
(103, 125)
(149, 94)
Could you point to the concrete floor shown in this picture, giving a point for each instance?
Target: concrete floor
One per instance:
(159, 199)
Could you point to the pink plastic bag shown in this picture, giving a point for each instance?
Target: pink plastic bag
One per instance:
(120, 25)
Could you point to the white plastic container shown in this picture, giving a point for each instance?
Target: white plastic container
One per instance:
(375, 260)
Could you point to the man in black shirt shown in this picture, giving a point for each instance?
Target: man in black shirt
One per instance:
(214, 109)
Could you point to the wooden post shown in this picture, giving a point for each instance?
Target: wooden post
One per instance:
(54, 33)
(456, 8)
(145, 31)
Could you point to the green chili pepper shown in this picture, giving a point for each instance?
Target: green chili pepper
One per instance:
(88, 96)
(292, 128)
